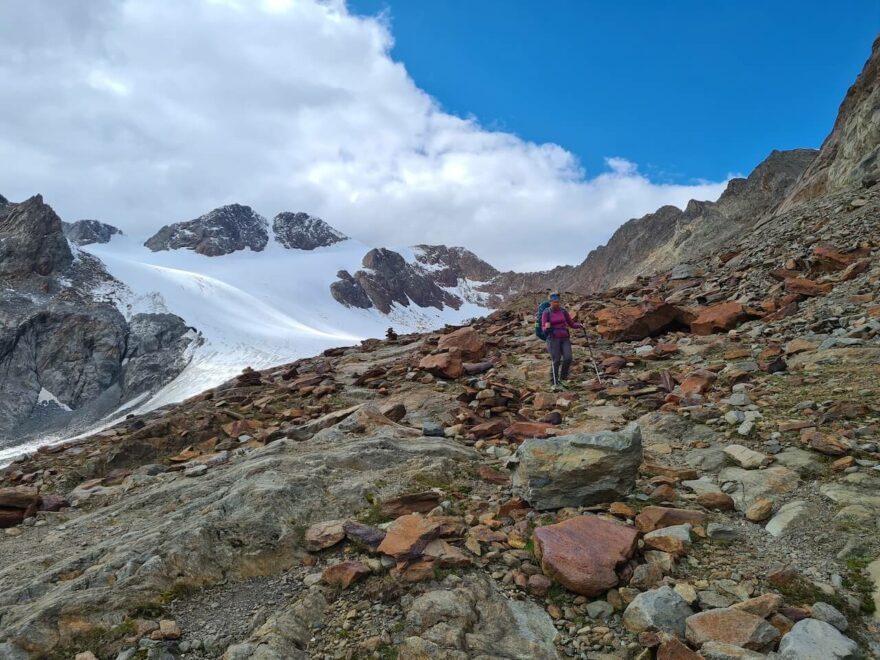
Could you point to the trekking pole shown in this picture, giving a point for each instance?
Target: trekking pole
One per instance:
(553, 372)
(592, 357)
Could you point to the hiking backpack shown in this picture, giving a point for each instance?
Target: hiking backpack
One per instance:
(539, 331)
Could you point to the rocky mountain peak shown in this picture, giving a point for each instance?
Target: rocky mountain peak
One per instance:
(31, 240)
(3, 201)
(388, 279)
(301, 231)
(224, 230)
(86, 232)
(850, 155)
(448, 265)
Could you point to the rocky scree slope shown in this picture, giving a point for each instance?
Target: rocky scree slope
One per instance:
(66, 357)
(430, 496)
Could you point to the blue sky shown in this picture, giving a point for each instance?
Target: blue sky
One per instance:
(688, 90)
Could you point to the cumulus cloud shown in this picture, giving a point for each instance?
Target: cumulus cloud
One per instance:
(145, 112)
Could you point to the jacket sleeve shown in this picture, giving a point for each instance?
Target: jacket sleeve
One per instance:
(569, 322)
(545, 318)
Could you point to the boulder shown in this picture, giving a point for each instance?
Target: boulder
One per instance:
(745, 457)
(412, 503)
(408, 536)
(751, 485)
(444, 365)
(731, 626)
(804, 287)
(660, 609)
(522, 430)
(635, 322)
(344, 574)
(675, 539)
(324, 535)
(466, 341)
(672, 648)
(722, 651)
(812, 639)
(19, 497)
(583, 553)
(472, 618)
(829, 614)
(578, 469)
(657, 517)
(787, 515)
(719, 318)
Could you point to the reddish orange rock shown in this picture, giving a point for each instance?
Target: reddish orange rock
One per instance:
(635, 322)
(408, 536)
(488, 429)
(716, 501)
(732, 627)
(324, 534)
(719, 318)
(583, 553)
(344, 574)
(621, 509)
(805, 287)
(466, 341)
(658, 517)
(520, 431)
(829, 259)
(680, 474)
(672, 648)
(445, 365)
(697, 382)
(412, 503)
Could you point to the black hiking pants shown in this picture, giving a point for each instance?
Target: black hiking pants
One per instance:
(560, 350)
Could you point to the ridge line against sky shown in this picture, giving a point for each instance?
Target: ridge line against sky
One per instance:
(147, 112)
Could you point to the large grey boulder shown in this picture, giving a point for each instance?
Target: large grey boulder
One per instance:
(812, 639)
(660, 609)
(578, 469)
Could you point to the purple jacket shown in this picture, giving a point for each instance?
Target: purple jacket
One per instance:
(559, 321)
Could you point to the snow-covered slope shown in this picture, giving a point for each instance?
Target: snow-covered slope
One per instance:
(254, 308)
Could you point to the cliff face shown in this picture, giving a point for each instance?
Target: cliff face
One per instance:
(850, 155)
(68, 357)
(670, 236)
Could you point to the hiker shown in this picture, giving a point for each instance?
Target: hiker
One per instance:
(555, 322)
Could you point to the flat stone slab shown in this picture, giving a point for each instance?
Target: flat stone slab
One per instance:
(583, 553)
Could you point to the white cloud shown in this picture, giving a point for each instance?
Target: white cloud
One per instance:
(146, 112)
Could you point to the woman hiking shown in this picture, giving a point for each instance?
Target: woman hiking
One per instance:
(555, 322)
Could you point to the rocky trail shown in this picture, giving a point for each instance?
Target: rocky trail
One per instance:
(717, 495)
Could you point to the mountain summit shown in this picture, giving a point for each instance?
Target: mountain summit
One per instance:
(301, 231)
(224, 230)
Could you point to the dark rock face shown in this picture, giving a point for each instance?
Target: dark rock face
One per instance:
(31, 241)
(222, 231)
(349, 292)
(155, 352)
(389, 279)
(67, 359)
(86, 232)
(301, 231)
(850, 155)
(451, 264)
